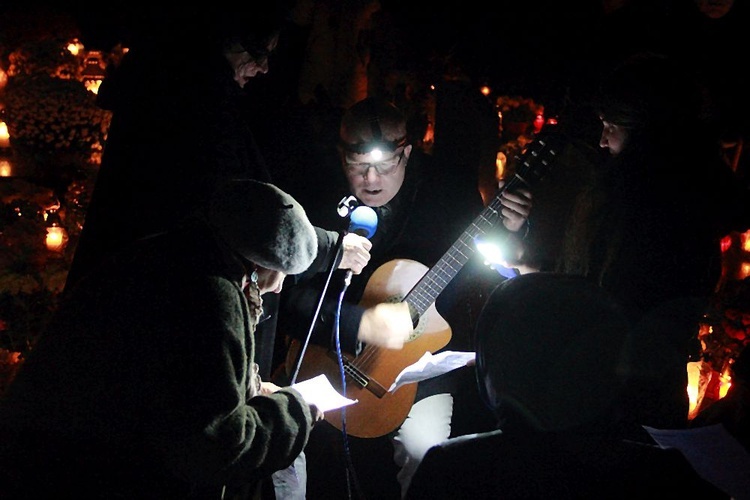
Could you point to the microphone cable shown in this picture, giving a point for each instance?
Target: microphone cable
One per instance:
(351, 473)
(339, 252)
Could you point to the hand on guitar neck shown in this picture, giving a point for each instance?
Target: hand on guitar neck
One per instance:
(516, 207)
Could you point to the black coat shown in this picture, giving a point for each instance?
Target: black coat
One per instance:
(177, 130)
(561, 466)
(420, 224)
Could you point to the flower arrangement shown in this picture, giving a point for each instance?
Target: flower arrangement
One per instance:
(51, 115)
(46, 56)
(55, 128)
(30, 278)
(725, 329)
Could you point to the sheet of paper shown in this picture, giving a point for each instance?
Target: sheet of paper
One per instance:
(431, 365)
(714, 454)
(321, 393)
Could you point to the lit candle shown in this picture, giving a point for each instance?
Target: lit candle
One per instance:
(5, 168)
(55, 238)
(93, 85)
(4, 135)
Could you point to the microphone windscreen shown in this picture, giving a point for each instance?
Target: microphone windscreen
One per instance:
(363, 221)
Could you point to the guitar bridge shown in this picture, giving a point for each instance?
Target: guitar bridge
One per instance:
(361, 378)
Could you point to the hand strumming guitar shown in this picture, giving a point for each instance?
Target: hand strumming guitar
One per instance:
(386, 325)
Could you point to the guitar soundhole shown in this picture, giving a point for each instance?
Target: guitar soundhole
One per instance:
(419, 330)
(421, 324)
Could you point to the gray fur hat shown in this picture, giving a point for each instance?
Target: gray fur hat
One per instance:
(265, 225)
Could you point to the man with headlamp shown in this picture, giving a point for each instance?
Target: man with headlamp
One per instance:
(417, 221)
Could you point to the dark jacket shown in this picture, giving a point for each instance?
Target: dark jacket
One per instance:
(414, 231)
(650, 243)
(140, 386)
(420, 224)
(176, 131)
(563, 466)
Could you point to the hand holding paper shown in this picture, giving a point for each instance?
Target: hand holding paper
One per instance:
(318, 391)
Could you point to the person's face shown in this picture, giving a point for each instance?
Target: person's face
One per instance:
(247, 64)
(714, 9)
(614, 137)
(375, 178)
(269, 280)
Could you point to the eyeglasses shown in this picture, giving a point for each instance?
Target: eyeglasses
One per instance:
(385, 167)
(259, 54)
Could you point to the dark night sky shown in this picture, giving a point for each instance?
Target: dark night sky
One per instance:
(507, 28)
(538, 46)
(445, 23)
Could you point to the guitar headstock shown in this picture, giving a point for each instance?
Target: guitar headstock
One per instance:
(534, 162)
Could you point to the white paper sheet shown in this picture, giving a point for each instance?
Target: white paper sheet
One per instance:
(714, 454)
(318, 391)
(430, 365)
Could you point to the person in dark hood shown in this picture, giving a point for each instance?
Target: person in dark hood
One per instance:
(647, 225)
(178, 131)
(145, 383)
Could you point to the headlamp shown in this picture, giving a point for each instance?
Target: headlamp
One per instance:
(370, 147)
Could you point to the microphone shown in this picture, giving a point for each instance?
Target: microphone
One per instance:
(362, 221)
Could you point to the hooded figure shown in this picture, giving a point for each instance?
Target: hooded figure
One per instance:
(177, 129)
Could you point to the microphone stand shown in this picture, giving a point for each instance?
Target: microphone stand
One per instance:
(334, 264)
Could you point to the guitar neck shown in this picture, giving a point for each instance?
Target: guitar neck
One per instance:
(426, 291)
(530, 167)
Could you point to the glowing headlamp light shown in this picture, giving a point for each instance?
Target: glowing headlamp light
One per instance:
(377, 149)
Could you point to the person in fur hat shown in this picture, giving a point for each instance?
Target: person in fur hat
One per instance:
(145, 383)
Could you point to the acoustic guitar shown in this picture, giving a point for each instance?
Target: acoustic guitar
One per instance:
(370, 374)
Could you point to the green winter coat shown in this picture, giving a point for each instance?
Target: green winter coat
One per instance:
(139, 388)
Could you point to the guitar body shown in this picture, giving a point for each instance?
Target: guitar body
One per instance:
(372, 372)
